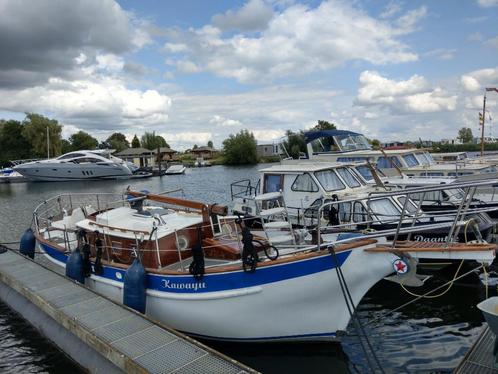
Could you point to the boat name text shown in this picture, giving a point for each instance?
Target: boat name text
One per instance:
(183, 286)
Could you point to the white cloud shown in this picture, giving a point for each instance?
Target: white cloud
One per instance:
(391, 9)
(409, 21)
(268, 135)
(487, 3)
(94, 103)
(109, 62)
(410, 96)
(297, 41)
(225, 122)
(479, 79)
(254, 15)
(442, 53)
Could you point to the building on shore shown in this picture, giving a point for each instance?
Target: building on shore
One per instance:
(143, 157)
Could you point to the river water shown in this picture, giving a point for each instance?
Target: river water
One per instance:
(428, 336)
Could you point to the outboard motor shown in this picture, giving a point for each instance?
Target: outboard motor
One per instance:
(134, 290)
(27, 244)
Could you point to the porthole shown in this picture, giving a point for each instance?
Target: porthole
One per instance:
(182, 242)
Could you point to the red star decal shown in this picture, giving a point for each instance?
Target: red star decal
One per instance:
(400, 266)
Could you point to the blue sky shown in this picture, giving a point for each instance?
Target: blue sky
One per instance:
(195, 71)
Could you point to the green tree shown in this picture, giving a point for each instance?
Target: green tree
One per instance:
(465, 135)
(152, 141)
(13, 144)
(375, 143)
(135, 143)
(82, 140)
(35, 131)
(66, 146)
(294, 144)
(195, 146)
(210, 144)
(324, 125)
(240, 149)
(117, 141)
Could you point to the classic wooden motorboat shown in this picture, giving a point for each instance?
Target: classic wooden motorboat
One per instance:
(209, 276)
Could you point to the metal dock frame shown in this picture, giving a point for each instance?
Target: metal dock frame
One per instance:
(99, 334)
(479, 359)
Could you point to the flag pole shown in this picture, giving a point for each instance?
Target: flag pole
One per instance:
(483, 120)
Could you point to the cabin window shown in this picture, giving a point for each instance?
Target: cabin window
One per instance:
(329, 180)
(273, 183)
(345, 212)
(359, 212)
(348, 177)
(410, 160)
(410, 206)
(384, 208)
(351, 159)
(365, 172)
(304, 183)
(70, 155)
(383, 163)
(429, 196)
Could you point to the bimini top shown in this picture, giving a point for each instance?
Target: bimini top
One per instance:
(326, 141)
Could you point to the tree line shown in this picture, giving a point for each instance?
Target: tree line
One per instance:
(27, 139)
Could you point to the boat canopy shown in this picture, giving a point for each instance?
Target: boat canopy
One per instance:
(336, 141)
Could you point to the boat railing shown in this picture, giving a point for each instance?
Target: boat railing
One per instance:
(60, 206)
(454, 224)
(243, 189)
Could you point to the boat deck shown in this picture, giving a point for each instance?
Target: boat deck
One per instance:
(480, 359)
(129, 341)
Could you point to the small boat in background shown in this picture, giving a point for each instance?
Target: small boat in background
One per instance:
(176, 169)
(9, 175)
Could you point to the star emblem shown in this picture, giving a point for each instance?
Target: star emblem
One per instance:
(400, 266)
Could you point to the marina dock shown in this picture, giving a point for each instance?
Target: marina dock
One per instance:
(480, 359)
(99, 334)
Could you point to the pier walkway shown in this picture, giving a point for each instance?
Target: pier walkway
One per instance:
(101, 335)
(480, 359)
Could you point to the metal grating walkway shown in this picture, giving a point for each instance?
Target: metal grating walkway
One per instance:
(479, 359)
(131, 341)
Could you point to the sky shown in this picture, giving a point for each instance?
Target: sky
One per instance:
(196, 70)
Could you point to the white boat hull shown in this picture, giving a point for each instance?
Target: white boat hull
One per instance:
(294, 301)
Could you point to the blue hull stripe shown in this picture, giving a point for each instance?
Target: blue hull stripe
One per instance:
(223, 281)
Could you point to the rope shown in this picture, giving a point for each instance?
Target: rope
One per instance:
(352, 312)
(421, 296)
(9, 243)
(438, 295)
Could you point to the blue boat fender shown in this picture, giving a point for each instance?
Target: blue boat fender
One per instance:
(74, 266)
(135, 290)
(28, 243)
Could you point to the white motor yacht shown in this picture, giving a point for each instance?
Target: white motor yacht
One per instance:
(348, 146)
(78, 165)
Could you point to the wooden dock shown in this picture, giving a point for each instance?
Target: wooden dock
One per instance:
(480, 359)
(101, 335)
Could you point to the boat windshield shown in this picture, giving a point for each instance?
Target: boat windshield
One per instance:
(352, 142)
(347, 177)
(410, 160)
(425, 158)
(70, 155)
(384, 208)
(329, 180)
